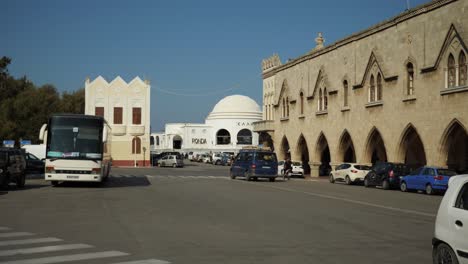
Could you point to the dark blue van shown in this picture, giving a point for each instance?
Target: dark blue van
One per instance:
(254, 163)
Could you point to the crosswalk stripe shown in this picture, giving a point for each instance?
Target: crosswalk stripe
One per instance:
(146, 261)
(12, 252)
(68, 258)
(2, 228)
(29, 241)
(15, 234)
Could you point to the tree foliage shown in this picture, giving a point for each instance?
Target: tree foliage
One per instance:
(24, 107)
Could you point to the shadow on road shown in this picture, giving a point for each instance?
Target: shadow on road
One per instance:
(112, 182)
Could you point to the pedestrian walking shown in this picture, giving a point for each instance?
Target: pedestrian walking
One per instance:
(287, 169)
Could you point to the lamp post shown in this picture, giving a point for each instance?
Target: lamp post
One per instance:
(144, 159)
(134, 151)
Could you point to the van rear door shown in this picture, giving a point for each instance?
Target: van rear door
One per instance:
(266, 163)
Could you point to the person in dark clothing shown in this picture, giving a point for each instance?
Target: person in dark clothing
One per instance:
(287, 169)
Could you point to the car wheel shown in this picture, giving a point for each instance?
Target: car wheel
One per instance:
(247, 177)
(332, 179)
(347, 180)
(272, 179)
(174, 165)
(385, 185)
(443, 254)
(429, 190)
(231, 175)
(217, 162)
(403, 187)
(366, 183)
(55, 183)
(21, 181)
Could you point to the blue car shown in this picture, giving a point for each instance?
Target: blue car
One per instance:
(428, 179)
(255, 163)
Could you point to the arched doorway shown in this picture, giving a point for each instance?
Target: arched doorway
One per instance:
(375, 150)
(265, 139)
(244, 137)
(284, 151)
(223, 137)
(323, 152)
(455, 147)
(346, 150)
(177, 142)
(303, 151)
(412, 149)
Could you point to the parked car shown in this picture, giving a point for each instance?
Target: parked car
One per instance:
(226, 159)
(428, 179)
(171, 161)
(216, 158)
(349, 173)
(254, 163)
(34, 164)
(280, 167)
(450, 243)
(155, 158)
(12, 167)
(386, 174)
(297, 169)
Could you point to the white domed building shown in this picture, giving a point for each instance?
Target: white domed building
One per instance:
(227, 128)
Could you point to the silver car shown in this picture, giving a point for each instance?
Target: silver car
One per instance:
(171, 161)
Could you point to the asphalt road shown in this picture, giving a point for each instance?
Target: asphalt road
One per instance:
(197, 214)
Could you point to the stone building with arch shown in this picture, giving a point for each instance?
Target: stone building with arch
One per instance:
(396, 91)
(228, 128)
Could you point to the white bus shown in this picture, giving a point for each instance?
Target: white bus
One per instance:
(77, 148)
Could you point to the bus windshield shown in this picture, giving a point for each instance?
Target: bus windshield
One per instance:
(75, 138)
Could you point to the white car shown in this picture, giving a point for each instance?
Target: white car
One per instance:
(171, 161)
(280, 167)
(297, 169)
(349, 173)
(450, 242)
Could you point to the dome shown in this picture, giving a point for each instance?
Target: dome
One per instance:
(236, 104)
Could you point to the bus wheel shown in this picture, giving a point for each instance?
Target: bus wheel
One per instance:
(55, 183)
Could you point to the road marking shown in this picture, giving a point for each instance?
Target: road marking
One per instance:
(146, 261)
(68, 258)
(29, 241)
(15, 234)
(12, 252)
(346, 200)
(4, 228)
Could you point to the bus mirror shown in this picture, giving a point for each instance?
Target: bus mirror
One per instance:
(42, 132)
(104, 135)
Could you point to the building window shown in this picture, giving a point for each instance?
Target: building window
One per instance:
(118, 115)
(345, 93)
(244, 137)
(152, 141)
(463, 69)
(136, 145)
(283, 113)
(451, 71)
(372, 89)
(301, 95)
(157, 140)
(136, 116)
(223, 137)
(379, 87)
(410, 85)
(287, 107)
(325, 100)
(320, 99)
(99, 111)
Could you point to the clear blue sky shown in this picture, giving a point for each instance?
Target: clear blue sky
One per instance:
(201, 50)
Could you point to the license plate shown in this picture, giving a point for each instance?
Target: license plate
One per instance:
(266, 167)
(73, 177)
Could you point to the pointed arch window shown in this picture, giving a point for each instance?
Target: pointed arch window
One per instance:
(379, 87)
(319, 108)
(325, 100)
(301, 95)
(283, 113)
(410, 84)
(451, 71)
(372, 89)
(462, 76)
(345, 93)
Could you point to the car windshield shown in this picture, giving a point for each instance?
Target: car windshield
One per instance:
(446, 172)
(362, 167)
(266, 156)
(297, 163)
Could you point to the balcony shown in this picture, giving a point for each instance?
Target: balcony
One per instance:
(136, 130)
(264, 126)
(119, 130)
